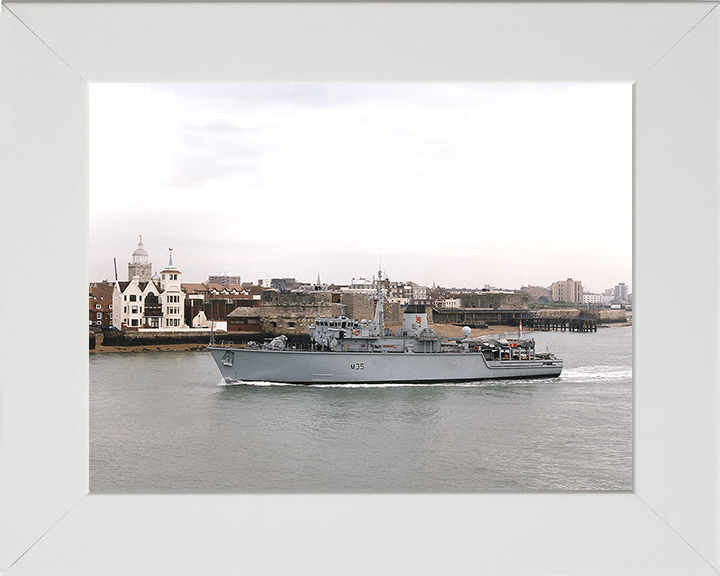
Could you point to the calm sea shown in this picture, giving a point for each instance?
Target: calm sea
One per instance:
(163, 421)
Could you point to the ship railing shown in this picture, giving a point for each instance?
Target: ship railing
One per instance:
(293, 345)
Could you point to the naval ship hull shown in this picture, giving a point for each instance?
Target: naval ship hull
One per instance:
(239, 365)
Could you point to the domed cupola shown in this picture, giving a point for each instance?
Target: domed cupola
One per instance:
(140, 256)
(140, 265)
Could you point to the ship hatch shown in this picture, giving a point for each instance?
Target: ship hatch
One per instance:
(228, 358)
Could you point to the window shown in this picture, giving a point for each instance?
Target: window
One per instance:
(134, 309)
(132, 297)
(99, 315)
(97, 306)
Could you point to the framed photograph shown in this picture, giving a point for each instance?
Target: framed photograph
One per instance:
(51, 52)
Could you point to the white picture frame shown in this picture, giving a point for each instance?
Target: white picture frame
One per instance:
(668, 524)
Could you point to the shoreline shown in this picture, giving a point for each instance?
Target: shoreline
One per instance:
(449, 331)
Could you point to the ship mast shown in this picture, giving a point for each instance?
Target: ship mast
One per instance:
(379, 319)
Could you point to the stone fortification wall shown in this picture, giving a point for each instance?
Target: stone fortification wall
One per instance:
(563, 313)
(291, 313)
(602, 316)
(297, 299)
(612, 316)
(495, 301)
(119, 338)
(357, 305)
(394, 313)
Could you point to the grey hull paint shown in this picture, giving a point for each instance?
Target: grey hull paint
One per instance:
(304, 367)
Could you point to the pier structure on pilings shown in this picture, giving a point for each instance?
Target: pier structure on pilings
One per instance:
(530, 321)
(563, 324)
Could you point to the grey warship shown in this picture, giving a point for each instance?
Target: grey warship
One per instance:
(348, 351)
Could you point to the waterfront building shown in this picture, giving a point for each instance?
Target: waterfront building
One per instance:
(216, 302)
(567, 291)
(129, 300)
(620, 292)
(224, 280)
(284, 284)
(245, 320)
(172, 296)
(101, 304)
(362, 285)
(592, 299)
(157, 302)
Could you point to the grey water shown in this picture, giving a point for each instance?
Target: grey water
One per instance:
(163, 421)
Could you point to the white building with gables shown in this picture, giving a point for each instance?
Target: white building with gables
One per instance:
(157, 303)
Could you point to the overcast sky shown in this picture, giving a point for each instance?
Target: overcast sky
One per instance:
(455, 184)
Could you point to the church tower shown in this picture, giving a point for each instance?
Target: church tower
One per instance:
(140, 266)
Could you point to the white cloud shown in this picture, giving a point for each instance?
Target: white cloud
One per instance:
(458, 184)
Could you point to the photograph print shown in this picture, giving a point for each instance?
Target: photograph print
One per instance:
(360, 287)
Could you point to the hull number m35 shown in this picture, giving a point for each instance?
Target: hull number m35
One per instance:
(357, 366)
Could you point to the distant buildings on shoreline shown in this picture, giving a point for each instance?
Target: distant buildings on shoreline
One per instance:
(164, 302)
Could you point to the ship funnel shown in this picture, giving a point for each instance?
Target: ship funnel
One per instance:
(415, 319)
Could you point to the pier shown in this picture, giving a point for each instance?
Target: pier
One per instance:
(563, 324)
(569, 322)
